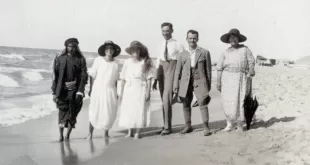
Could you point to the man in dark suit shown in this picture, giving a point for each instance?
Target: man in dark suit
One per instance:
(193, 75)
(70, 78)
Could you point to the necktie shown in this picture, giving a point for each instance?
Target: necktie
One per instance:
(166, 51)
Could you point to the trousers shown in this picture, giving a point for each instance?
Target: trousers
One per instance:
(165, 81)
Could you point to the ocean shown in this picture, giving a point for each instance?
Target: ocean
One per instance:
(25, 82)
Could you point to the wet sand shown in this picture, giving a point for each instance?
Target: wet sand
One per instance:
(36, 140)
(281, 135)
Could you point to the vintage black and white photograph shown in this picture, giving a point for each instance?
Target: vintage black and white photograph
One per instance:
(154, 82)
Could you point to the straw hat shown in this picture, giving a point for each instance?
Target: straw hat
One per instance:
(117, 49)
(236, 32)
(136, 44)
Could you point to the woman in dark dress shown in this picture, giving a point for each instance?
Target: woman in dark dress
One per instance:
(70, 78)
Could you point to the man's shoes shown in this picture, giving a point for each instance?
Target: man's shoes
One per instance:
(162, 129)
(187, 129)
(166, 132)
(195, 104)
(207, 133)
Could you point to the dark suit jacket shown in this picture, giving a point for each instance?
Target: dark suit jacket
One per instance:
(202, 74)
(59, 71)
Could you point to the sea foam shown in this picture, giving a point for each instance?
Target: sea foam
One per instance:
(13, 56)
(32, 76)
(7, 81)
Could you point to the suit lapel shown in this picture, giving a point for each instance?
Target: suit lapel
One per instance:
(187, 56)
(197, 55)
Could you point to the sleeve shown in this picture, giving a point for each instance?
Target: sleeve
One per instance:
(220, 63)
(93, 70)
(119, 66)
(150, 73)
(181, 48)
(84, 76)
(177, 73)
(55, 75)
(122, 75)
(157, 62)
(251, 60)
(209, 70)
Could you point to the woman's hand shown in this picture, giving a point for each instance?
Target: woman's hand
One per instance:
(251, 74)
(219, 87)
(154, 86)
(147, 96)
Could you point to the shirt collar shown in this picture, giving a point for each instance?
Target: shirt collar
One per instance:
(171, 39)
(189, 50)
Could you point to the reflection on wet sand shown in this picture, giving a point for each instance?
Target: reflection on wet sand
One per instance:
(74, 156)
(92, 146)
(70, 157)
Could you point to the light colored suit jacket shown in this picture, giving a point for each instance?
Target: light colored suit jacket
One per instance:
(202, 74)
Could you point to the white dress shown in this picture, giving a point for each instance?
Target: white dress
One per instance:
(103, 100)
(134, 110)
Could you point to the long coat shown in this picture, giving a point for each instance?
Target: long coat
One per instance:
(202, 73)
(59, 70)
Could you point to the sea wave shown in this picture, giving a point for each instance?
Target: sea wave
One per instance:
(7, 81)
(32, 76)
(13, 56)
(14, 69)
(30, 108)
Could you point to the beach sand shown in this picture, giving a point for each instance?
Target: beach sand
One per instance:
(280, 135)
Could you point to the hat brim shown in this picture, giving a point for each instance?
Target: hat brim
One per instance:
(117, 49)
(225, 37)
(128, 50)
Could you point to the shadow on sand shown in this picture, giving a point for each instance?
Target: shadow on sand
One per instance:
(270, 122)
(152, 131)
(215, 126)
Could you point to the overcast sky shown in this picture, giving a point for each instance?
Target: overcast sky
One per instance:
(275, 28)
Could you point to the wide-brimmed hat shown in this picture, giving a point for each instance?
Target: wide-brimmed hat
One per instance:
(71, 40)
(117, 49)
(136, 44)
(236, 32)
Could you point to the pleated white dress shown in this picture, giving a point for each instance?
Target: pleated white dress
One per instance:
(134, 110)
(103, 100)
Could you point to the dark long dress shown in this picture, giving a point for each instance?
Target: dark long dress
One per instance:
(67, 105)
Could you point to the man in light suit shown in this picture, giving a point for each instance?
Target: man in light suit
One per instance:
(193, 75)
(165, 67)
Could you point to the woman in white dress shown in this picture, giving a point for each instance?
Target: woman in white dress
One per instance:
(136, 76)
(103, 101)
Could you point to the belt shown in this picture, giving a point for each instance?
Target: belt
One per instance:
(235, 70)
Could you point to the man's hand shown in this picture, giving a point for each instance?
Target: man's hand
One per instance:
(71, 85)
(55, 99)
(176, 90)
(79, 98)
(154, 87)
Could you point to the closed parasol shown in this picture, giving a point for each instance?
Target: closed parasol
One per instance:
(250, 106)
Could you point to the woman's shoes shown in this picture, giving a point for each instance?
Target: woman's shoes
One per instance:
(137, 136)
(128, 136)
(228, 128)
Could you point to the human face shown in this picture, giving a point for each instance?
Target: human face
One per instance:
(166, 32)
(72, 48)
(233, 40)
(192, 40)
(109, 51)
(135, 53)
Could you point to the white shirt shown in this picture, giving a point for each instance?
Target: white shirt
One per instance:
(193, 55)
(174, 50)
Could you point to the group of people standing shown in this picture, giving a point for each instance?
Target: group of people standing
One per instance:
(180, 73)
